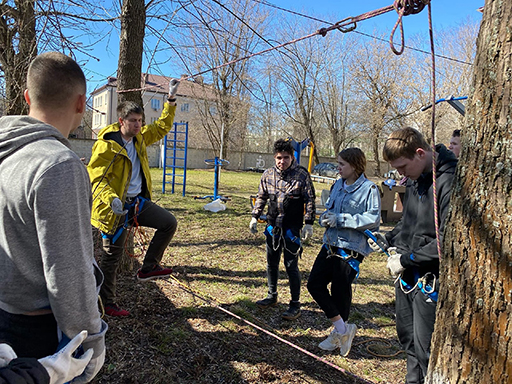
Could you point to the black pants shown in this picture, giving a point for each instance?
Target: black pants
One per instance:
(291, 252)
(336, 271)
(151, 215)
(415, 318)
(29, 336)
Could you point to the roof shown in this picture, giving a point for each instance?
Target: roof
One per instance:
(160, 84)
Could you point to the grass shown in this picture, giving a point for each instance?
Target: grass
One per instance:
(174, 336)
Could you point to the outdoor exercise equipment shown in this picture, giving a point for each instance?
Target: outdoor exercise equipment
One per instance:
(217, 163)
(298, 147)
(175, 156)
(453, 101)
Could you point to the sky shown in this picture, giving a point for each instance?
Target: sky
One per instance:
(445, 14)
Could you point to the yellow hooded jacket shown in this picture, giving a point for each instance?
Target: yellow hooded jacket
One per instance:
(110, 168)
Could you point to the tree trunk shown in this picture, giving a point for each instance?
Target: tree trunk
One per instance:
(22, 28)
(375, 146)
(472, 341)
(129, 69)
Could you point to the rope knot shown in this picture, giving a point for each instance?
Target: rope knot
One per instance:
(322, 31)
(410, 7)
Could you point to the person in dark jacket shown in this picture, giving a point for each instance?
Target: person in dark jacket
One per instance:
(288, 189)
(413, 244)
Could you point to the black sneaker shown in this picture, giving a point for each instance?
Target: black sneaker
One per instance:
(267, 302)
(292, 313)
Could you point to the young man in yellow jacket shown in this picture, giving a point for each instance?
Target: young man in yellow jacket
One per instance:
(121, 188)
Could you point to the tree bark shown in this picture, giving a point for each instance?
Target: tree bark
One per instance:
(129, 69)
(18, 25)
(472, 341)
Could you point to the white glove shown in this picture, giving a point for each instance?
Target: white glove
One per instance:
(307, 232)
(173, 88)
(253, 225)
(91, 370)
(62, 366)
(328, 219)
(117, 207)
(382, 241)
(394, 266)
(6, 355)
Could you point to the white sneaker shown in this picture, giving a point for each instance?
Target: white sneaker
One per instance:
(346, 339)
(332, 342)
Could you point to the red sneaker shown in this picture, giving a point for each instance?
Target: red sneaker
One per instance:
(114, 311)
(157, 272)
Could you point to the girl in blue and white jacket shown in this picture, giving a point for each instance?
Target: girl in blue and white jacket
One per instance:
(353, 206)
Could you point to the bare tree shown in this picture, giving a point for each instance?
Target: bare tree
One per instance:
(27, 26)
(222, 33)
(334, 94)
(385, 98)
(471, 341)
(131, 42)
(17, 50)
(297, 68)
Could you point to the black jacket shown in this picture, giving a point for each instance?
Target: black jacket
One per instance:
(415, 234)
(25, 370)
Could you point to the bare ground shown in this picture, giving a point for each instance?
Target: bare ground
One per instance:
(176, 334)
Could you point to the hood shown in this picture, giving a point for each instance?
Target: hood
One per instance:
(108, 130)
(17, 131)
(446, 159)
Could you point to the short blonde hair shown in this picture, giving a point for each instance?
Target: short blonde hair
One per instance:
(404, 143)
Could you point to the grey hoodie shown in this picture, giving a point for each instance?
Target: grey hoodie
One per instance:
(46, 248)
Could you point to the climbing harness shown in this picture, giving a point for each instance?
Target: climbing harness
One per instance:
(277, 233)
(136, 204)
(352, 258)
(426, 284)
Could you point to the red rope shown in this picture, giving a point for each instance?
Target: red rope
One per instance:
(215, 305)
(403, 7)
(139, 235)
(434, 172)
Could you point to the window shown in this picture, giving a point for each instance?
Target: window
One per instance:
(98, 101)
(184, 107)
(213, 110)
(153, 119)
(155, 104)
(97, 119)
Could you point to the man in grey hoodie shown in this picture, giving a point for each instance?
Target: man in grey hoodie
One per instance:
(50, 280)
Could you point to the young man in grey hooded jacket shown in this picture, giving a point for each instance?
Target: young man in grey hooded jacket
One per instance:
(50, 281)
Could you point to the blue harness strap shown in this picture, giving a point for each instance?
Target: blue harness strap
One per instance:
(424, 287)
(138, 200)
(350, 260)
(428, 290)
(269, 231)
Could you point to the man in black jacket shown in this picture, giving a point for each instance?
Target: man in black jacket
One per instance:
(413, 243)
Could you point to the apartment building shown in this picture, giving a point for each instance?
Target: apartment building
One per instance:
(192, 95)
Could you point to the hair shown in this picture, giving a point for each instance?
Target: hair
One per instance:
(404, 143)
(456, 133)
(127, 107)
(282, 145)
(356, 158)
(53, 80)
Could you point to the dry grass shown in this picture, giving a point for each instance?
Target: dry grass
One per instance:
(174, 336)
